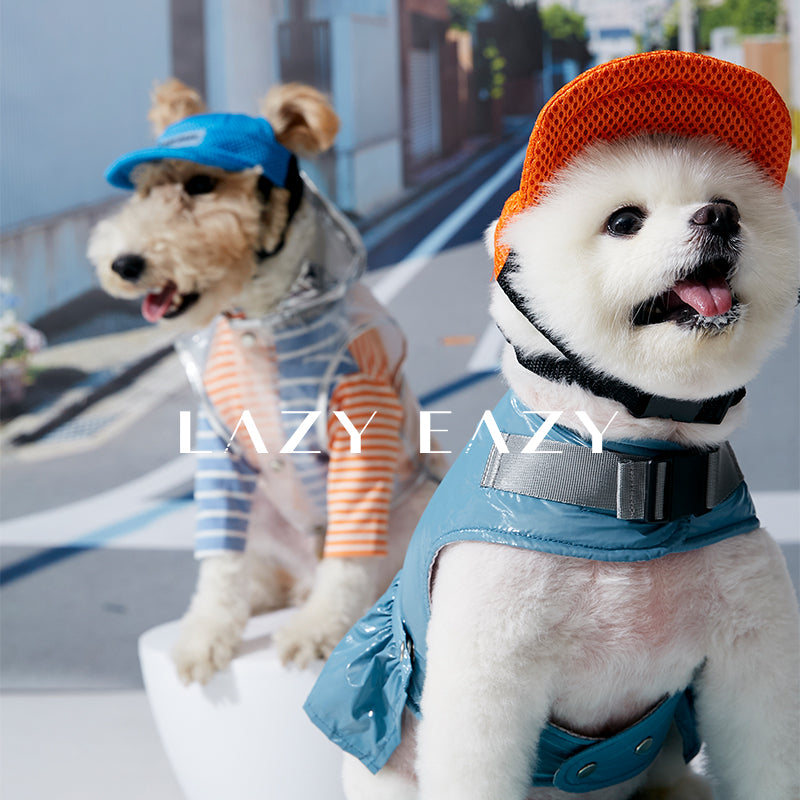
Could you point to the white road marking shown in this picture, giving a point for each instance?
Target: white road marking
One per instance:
(376, 234)
(399, 276)
(779, 513)
(73, 522)
(486, 355)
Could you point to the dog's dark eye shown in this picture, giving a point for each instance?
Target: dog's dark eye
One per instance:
(200, 184)
(625, 221)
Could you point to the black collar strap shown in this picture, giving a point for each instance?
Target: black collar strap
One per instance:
(294, 183)
(570, 368)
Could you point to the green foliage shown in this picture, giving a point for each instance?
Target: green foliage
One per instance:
(497, 66)
(561, 23)
(747, 16)
(463, 12)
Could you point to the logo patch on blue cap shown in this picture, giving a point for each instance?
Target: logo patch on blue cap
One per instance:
(186, 139)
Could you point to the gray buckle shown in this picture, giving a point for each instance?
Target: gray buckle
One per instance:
(675, 484)
(668, 488)
(641, 486)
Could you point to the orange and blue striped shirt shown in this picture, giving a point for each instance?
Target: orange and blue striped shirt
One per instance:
(279, 379)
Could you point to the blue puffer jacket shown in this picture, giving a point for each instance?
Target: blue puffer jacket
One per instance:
(379, 667)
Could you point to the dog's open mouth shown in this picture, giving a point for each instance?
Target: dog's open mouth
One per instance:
(167, 303)
(703, 299)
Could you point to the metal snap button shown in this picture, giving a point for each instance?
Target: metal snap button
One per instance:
(587, 770)
(277, 464)
(644, 746)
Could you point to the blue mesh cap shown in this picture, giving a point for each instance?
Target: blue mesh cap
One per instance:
(233, 142)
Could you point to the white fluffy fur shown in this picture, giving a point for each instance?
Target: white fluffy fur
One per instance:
(518, 637)
(585, 283)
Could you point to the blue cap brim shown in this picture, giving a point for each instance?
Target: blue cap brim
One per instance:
(119, 173)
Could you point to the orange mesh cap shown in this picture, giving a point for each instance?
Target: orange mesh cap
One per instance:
(661, 92)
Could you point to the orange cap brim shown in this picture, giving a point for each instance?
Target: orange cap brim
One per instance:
(661, 92)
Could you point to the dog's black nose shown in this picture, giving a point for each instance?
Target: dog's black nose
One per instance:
(129, 267)
(721, 219)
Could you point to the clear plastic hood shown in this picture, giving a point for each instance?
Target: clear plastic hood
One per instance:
(281, 366)
(334, 258)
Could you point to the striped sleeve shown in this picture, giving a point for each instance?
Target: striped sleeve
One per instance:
(223, 491)
(360, 484)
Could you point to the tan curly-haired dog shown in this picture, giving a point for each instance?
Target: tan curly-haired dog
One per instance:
(176, 198)
(221, 222)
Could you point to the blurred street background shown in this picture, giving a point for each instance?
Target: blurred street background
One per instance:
(436, 100)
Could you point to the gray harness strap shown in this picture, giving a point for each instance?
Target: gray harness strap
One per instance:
(661, 489)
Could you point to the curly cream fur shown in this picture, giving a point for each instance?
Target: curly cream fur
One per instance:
(204, 243)
(207, 243)
(301, 117)
(173, 101)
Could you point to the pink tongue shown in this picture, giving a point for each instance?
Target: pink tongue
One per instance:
(156, 304)
(709, 299)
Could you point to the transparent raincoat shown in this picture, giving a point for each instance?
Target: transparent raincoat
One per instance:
(287, 363)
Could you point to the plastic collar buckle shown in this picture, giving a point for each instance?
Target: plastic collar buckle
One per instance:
(667, 408)
(711, 411)
(676, 486)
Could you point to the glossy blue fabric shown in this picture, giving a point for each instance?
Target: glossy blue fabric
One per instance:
(371, 676)
(233, 142)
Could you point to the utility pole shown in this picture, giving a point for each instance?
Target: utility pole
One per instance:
(686, 26)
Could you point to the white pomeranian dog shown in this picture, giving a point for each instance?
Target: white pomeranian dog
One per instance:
(578, 625)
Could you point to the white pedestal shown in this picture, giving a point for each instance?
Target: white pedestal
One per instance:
(244, 735)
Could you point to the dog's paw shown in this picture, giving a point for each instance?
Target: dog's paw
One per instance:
(342, 592)
(207, 644)
(689, 787)
(310, 634)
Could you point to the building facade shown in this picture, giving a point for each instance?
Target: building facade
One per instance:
(76, 80)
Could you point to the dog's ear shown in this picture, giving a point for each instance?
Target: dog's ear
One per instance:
(302, 118)
(172, 101)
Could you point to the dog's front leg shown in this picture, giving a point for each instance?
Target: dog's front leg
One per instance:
(343, 590)
(749, 693)
(486, 695)
(212, 627)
